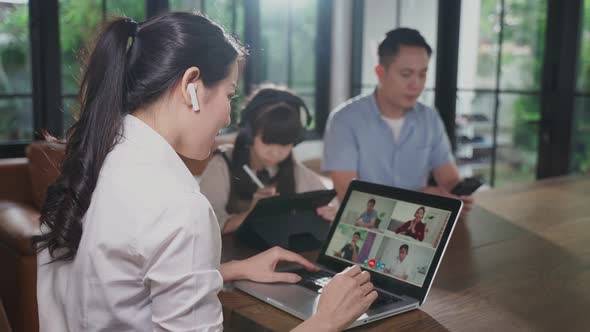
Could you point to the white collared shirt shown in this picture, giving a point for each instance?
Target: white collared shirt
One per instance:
(149, 255)
(400, 268)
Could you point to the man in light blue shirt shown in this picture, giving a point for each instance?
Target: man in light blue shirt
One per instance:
(388, 137)
(368, 219)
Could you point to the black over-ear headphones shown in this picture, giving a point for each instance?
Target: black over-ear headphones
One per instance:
(261, 101)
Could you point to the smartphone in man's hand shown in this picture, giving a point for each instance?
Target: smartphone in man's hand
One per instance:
(467, 186)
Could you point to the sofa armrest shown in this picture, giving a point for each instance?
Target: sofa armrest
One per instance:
(18, 224)
(4, 324)
(16, 182)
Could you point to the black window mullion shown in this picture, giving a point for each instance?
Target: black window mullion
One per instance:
(447, 63)
(398, 14)
(497, 94)
(234, 17)
(356, 73)
(156, 7)
(252, 39)
(46, 65)
(488, 90)
(323, 71)
(14, 150)
(289, 43)
(15, 95)
(562, 44)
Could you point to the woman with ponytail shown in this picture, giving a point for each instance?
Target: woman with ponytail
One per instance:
(128, 242)
(270, 127)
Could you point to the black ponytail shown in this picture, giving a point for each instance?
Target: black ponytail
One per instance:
(131, 65)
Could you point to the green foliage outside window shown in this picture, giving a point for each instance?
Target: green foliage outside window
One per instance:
(80, 21)
(580, 160)
(15, 73)
(530, 33)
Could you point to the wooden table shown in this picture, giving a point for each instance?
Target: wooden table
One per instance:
(519, 262)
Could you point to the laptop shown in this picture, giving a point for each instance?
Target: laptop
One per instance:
(402, 256)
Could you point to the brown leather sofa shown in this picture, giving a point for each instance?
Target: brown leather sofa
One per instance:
(24, 183)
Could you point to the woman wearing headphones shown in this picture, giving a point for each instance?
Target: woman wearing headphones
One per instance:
(270, 127)
(128, 242)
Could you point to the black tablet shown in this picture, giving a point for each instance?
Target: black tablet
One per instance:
(289, 221)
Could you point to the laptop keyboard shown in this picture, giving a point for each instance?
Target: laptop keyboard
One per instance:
(383, 299)
(315, 281)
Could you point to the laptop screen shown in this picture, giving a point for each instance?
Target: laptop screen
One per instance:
(391, 237)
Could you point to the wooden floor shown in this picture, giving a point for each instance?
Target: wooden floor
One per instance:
(519, 262)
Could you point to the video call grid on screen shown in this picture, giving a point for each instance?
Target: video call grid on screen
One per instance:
(382, 236)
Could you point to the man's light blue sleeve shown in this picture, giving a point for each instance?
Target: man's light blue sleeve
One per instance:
(341, 151)
(440, 151)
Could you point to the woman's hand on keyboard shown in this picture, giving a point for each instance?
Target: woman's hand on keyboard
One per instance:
(261, 267)
(347, 296)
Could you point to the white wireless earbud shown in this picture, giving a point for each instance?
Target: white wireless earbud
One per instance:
(192, 91)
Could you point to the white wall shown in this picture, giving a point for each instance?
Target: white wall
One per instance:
(469, 41)
(307, 150)
(341, 65)
(422, 15)
(379, 17)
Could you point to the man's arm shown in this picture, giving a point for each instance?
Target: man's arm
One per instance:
(440, 159)
(358, 221)
(341, 181)
(354, 253)
(446, 176)
(372, 223)
(341, 252)
(341, 152)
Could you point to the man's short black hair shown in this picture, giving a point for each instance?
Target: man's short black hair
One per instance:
(404, 246)
(357, 233)
(394, 39)
(372, 200)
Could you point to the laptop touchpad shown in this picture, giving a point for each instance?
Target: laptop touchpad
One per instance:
(291, 296)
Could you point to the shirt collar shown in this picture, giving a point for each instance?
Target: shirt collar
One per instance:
(158, 149)
(409, 117)
(375, 108)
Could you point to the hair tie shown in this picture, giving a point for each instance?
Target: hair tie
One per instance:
(134, 27)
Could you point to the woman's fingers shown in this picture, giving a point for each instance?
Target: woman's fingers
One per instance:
(352, 271)
(289, 256)
(367, 288)
(363, 277)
